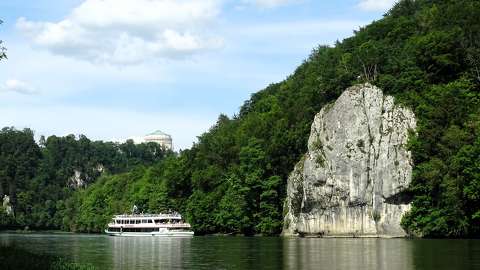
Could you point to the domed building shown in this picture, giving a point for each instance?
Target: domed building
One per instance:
(161, 138)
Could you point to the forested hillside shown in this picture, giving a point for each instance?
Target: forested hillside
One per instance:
(40, 177)
(426, 53)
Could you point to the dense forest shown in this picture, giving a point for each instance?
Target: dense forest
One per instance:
(426, 53)
(40, 178)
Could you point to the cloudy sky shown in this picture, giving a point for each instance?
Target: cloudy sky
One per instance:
(113, 69)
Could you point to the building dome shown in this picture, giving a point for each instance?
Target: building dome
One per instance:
(161, 138)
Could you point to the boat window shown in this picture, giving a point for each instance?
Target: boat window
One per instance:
(149, 221)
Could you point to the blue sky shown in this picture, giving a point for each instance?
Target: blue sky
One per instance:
(114, 69)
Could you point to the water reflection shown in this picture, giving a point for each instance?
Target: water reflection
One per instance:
(235, 253)
(338, 253)
(149, 252)
(253, 252)
(446, 254)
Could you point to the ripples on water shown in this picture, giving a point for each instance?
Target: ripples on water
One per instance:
(253, 252)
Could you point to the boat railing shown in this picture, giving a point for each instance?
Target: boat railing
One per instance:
(166, 225)
(175, 215)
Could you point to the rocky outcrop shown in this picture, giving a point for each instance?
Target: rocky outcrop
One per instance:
(81, 179)
(352, 180)
(7, 207)
(76, 180)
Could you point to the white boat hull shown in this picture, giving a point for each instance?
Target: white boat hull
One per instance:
(161, 225)
(157, 234)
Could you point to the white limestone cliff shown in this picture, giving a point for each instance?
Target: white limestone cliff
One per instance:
(351, 182)
(7, 207)
(81, 179)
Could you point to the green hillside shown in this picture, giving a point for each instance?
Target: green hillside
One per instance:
(39, 178)
(426, 53)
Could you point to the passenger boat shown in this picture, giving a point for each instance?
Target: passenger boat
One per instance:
(170, 224)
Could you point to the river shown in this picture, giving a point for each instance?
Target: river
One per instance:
(217, 252)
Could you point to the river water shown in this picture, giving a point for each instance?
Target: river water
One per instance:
(217, 252)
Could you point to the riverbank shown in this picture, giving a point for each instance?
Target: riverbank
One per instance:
(13, 257)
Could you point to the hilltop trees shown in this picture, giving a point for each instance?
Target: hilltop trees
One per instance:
(19, 157)
(40, 178)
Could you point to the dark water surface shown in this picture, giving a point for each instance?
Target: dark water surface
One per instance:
(253, 252)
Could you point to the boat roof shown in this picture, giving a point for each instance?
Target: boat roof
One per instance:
(149, 216)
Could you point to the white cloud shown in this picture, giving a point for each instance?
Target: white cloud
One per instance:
(129, 31)
(269, 3)
(17, 86)
(376, 5)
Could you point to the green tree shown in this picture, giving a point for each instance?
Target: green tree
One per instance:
(19, 157)
(3, 50)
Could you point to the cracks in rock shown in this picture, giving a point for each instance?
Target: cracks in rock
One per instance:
(370, 142)
(374, 154)
(357, 204)
(402, 197)
(380, 130)
(297, 201)
(378, 185)
(327, 205)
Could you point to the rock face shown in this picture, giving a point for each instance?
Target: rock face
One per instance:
(81, 179)
(6, 205)
(76, 180)
(352, 180)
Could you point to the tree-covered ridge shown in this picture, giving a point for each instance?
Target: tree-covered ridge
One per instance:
(424, 52)
(39, 177)
(90, 209)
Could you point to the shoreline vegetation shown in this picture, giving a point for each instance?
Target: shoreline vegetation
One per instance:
(233, 180)
(16, 258)
(350, 236)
